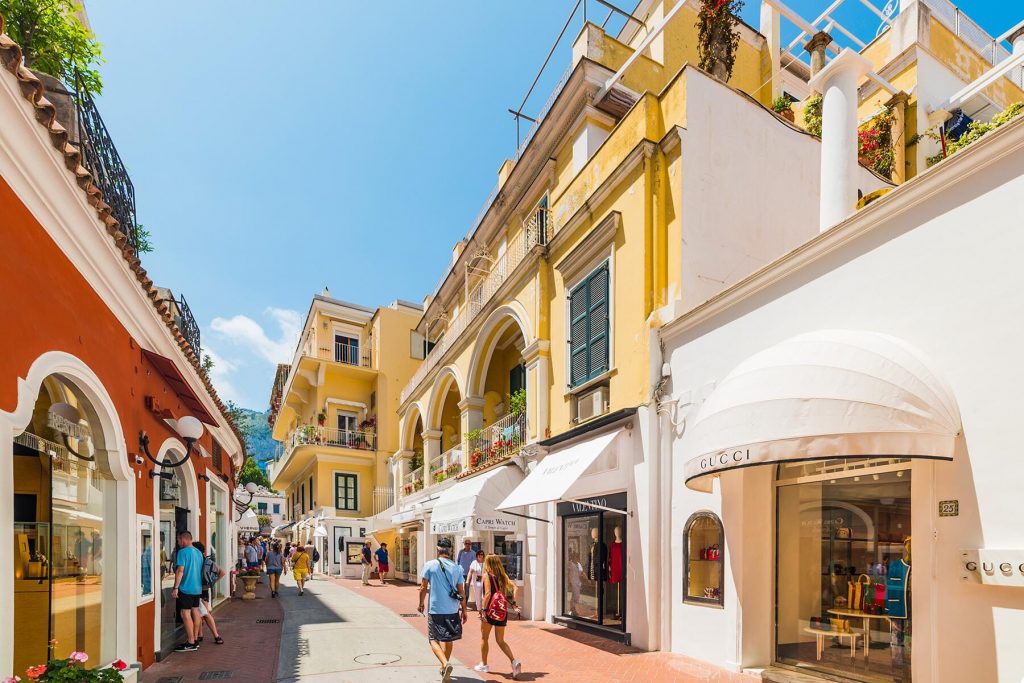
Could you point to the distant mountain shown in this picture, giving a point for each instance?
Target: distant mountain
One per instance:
(261, 446)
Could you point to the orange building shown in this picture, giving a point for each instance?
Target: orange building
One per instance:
(93, 356)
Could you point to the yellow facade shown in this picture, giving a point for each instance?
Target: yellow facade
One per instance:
(336, 408)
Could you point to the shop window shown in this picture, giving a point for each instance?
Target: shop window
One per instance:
(588, 327)
(346, 492)
(510, 551)
(145, 559)
(277, 508)
(594, 562)
(703, 559)
(843, 572)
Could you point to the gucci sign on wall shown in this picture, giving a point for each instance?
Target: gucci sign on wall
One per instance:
(992, 566)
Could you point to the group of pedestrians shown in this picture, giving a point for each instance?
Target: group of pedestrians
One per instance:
(195, 574)
(444, 581)
(383, 564)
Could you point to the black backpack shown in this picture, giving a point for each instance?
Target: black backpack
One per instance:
(316, 555)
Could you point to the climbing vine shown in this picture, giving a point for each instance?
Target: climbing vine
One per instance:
(812, 115)
(717, 37)
(875, 143)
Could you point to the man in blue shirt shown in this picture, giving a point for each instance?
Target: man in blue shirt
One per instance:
(188, 588)
(367, 562)
(382, 562)
(443, 579)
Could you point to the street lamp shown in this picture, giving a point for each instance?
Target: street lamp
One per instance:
(251, 488)
(189, 428)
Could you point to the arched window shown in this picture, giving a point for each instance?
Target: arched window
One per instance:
(703, 559)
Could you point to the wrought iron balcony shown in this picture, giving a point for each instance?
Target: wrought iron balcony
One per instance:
(187, 324)
(101, 159)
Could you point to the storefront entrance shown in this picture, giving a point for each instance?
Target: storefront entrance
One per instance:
(843, 568)
(173, 520)
(594, 561)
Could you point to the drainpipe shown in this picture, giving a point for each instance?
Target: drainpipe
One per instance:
(839, 168)
(898, 103)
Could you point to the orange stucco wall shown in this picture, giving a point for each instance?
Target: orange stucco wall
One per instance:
(46, 305)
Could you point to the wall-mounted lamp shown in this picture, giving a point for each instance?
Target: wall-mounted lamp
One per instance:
(163, 475)
(203, 477)
(225, 478)
(69, 415)
(189, 428)
(250, 488)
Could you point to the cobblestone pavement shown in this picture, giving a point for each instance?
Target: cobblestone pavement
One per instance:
(551, 653)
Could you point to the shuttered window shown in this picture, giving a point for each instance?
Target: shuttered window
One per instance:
(588, 327)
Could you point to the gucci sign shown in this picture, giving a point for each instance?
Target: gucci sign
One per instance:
(992, 566)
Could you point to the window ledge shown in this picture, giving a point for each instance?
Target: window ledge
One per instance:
(607, 374)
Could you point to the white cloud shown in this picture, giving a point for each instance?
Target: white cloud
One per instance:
(241, 330)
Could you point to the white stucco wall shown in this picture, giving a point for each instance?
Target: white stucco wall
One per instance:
(944, 275)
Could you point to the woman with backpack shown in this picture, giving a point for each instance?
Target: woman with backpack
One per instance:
(210, 575)
(494, 613)
(300, 567)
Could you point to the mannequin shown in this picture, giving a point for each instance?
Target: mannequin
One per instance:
(616, 559)
(597, 564)
(897, 602)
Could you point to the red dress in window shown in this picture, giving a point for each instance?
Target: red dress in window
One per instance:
(615, 562)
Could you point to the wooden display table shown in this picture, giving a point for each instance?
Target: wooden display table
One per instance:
(819, 639)
(866, 620)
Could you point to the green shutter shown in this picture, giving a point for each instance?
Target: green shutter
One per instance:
(579, 342)
(597, 319)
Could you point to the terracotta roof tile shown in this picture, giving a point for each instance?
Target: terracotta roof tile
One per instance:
(46, 114)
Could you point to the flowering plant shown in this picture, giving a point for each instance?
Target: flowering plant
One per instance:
(875, 143)
(71, 670)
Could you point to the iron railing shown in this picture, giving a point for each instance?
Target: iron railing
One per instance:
(342, 438)
(187, 324)
(383, 498)
(339, 352)
(413, 482)
(447, 465)
(498, 441)
(100, 158)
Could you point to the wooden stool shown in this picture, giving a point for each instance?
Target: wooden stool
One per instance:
(819, 639)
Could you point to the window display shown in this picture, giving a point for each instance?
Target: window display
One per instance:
(703, 559)
(844, 571)
(146, 564)
(594, 561)
(511, 553)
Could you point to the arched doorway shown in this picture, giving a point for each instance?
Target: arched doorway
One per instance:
(177, 509)
(67, 510)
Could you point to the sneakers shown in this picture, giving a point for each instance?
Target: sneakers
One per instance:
(186, 647)
(482, 668)
(446, 673)
(517, 669)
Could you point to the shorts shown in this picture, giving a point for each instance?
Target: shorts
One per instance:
(444, 628)
(276, 570)
(382, 569)
(300, 574)
(186, 601)
(206, 594)
(495, 622)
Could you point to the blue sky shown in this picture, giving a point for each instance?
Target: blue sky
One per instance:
(349, 145)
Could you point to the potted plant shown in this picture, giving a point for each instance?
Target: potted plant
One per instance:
(717, 37)
(71, 670)
(249, 578)
(321, 418)
(783, 106)
(517, 402)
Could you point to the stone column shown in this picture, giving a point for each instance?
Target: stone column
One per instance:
(839, 169)
(817, 46)
(1016, 39)
(431, 447)
(898, 102)
(471, 410)
(537, 357)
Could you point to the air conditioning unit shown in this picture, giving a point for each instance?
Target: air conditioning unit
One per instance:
(592, 404)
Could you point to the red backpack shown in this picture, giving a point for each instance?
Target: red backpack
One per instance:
(497, 608)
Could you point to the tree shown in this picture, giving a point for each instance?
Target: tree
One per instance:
(54, 40)
(251, 472)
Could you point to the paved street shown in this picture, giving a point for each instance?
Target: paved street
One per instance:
(341, 631)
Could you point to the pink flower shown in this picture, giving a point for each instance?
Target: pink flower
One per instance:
(78, 657)
(12, 679)
(34, 672)
(119, 665)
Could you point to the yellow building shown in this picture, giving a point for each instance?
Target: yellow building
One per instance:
(646, 187)
(334, 410)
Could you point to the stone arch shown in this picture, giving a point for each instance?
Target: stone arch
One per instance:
(443, 383)
(407, 436)
(119, 606)
(498, 322)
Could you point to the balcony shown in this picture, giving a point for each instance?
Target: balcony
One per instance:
(478, 451)
(534, 233)
(340, 353)
(383, 498)
(323, 437)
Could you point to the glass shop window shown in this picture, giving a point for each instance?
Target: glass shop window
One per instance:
(704, 552)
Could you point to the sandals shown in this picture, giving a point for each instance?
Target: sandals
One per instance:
(218, 640)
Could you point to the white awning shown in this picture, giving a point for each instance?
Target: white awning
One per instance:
(826, 394)
(470, 504)
(555, 474)
(248, 522)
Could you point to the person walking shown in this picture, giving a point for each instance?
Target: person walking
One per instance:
(446, 614)
(315, 556)
(252, 558)
(367, 562)
(300, 568)
(494, 615)
(475, 579)
(210, 574)
(275, 565)
(382, 561)
(188, 589)
(466, 556)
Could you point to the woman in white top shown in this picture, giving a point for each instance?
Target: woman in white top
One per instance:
(475, 579)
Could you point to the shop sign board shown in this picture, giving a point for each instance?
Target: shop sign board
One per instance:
(994, 567)
(476, 523)
(616, 501)
(949, 508)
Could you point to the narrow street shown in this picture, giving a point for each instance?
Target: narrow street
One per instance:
(343, 631)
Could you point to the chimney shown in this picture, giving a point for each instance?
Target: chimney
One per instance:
(839, 169)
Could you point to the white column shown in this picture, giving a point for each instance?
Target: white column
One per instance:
(770, 29)
(537, 357)
(839, 168)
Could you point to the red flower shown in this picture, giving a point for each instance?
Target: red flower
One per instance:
(119, 665)
(34, 672)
